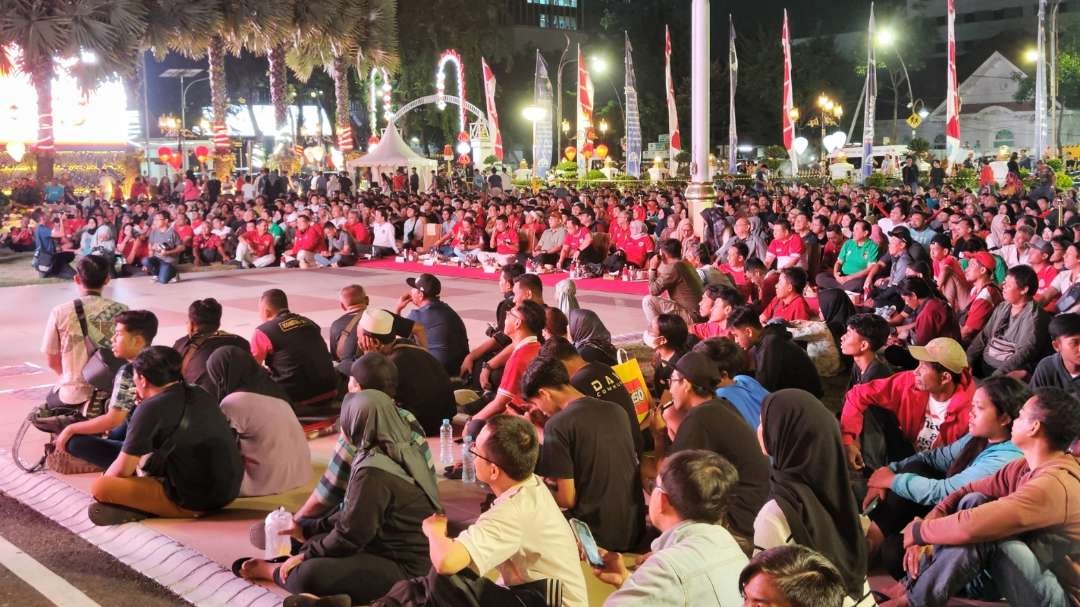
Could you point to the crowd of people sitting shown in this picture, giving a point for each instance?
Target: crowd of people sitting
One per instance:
(946, 462)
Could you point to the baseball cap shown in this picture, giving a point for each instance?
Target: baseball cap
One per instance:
(944, 351)
(377, 322)
(1046, 247)
(698, 369)
(427, 284)
(984, 259)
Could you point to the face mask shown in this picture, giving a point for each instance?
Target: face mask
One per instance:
(649, 339)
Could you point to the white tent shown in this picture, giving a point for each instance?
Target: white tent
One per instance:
(391, 153)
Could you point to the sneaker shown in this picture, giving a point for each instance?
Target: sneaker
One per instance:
(175, 279)
(155, 278)
(104, 515)
(311, 600)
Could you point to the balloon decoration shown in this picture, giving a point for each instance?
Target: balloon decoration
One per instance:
(601, 151)
(202, 154)
(570, 152)
(176, 161)
(587, 151)
(800, 144)
(462, 136)
(164, 153)
(463, 159)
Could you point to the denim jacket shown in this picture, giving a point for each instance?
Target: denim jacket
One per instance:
(930, 491)
(692, 564)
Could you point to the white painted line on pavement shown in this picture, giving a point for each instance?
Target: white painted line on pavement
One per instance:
(39, 386)
(50, 585)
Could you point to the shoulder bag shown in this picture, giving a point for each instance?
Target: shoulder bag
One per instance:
(101, 365)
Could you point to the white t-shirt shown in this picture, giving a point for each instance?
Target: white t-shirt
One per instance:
(526, 538)
(935, 415)
(1063, 281)
(248, 191)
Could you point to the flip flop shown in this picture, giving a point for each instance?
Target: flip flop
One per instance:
(239, 563)
(103, 515)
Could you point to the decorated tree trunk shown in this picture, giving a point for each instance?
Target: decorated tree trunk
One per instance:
(340, 73)
(45, 150)
(215, 56)
(278, 77)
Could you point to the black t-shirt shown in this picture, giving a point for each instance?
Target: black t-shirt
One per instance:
(599, 381)
(589, 442)
(423, 386)
(781, 363)
(194, 368)
(204, 470)
(717, 426)
(402, 327)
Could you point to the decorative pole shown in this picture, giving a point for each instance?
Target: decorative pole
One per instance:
(699, 192)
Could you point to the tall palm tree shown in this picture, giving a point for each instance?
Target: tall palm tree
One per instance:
(364, 34)
(48, 31)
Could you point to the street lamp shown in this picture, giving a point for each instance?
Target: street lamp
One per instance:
(603, 126)
(183, 74)
(1031, 55)
(886, 38)
(534, 114)
(599, 64)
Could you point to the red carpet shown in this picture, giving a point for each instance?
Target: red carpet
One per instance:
(637, 287)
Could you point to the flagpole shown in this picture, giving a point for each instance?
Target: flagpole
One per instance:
(699, 192)
(870, 90)
(1039, 144)
(733, 79)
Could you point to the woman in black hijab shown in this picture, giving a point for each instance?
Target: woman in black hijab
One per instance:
(591, 338)
(810, 499)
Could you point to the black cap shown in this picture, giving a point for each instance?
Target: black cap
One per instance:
(699, 370)
(427, 284)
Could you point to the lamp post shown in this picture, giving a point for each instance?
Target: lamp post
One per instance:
(829, 113)
(600, 66)
(183, 74)
(534, 114)
(603, 126)
(886, 38)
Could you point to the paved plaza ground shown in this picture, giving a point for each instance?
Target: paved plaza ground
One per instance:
(192, 557)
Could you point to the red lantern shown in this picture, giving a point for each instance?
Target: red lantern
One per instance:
(462, 136)
(601, 151)
(176, 162)
(570, 152)
(587, 151)
(448, 152)
(164, 153)
(202, 153)
(463, 159)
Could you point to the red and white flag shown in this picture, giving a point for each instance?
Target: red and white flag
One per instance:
(584, 110)
(672, 114)
(789, 96)
(952, 97)
(492, 115)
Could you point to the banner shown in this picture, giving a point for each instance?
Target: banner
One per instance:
(871, 101)
(789, 97)
(633, 124)
(733, 80)
(675, 141)
(952, 97)
(492, 115)
(542, 133)
(584, 112)
(1039, 145)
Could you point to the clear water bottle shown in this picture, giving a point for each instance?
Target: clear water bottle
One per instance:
(468, 466)
(276, 544)
(446, 443)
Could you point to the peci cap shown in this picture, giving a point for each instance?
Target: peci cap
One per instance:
(944, 351)
(427, 284)
(698, 369)
(377, 321)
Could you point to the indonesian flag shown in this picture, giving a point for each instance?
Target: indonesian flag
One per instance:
(492, 115)
(345, 139)
(221, 136)
(584, 110)
(952, 97)
(789, 97)
(672, 113)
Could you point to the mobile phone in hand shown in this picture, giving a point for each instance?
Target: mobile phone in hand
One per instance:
(588, 543)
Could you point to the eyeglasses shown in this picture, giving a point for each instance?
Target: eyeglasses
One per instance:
(654, 485)
(486, 459)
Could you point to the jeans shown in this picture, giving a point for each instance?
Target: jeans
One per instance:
(990, 569)
(100, 451)
(164, 270)
(337, 258)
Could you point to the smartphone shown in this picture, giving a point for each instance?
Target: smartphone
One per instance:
(588, 543)
(873, 504)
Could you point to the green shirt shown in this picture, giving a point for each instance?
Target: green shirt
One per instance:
(855, 258)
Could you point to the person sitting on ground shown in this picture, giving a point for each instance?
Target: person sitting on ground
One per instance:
(524, 535)
(909, 411)
(716, 305)
(64, 340)
(668, 337)
(789, 303)
(292, 348)
(884, 291)
(734, 386)
(275, 450)
(492, 350)
(778, 361)
(698, 419)
(791, 576)
(929, 315)
(550, 243)
(206, 247)
(307, 241)
(910, 487)
(194, 464)
(1015, 337)
(1016, 526)
(1062, 369)
(375, 539)
(591, 338)
(344, 332)
(523, 324)
(135, 330)
(854, 261)
(695, 561)
(810, 501)
(447, 339)
(49, 261)
(204, 335)
(597, 380)
(674, 286)
(984, 297)
(255, 246)
(555, 323)
(165, 248)
(340, 249)
(431, 398)
(866, 335)
(588, 452)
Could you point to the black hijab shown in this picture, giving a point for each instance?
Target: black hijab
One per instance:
(233, 369)
(809, 481)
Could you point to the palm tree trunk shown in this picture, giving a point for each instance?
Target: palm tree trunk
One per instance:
(46, 147)
(215, 57)
(278, 76)
(340, 73)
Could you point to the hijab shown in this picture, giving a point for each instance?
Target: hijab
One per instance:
(233, 369)
(587, 330)
(809, 481)
(389, 438)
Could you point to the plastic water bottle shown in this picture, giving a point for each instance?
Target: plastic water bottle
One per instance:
(276, 544)
(446, 443)
(468, 466)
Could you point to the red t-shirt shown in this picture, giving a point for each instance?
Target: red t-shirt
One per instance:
(72, 226)
(506, 242)
(184, 232)
(705, 330)
(259, 245)
(573, 239)
(796, 309)
(1046, 276)
(637, 249)
(639, 213)
(206, 241)
(311, 240)
(524, 353)
(358, 231)
(618, 235)
(792, 246)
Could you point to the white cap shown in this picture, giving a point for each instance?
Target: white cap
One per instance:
(377, 322)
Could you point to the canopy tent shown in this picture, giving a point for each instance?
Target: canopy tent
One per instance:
(391, 153)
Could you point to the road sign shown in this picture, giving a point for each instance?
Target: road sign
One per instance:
(914, 121)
